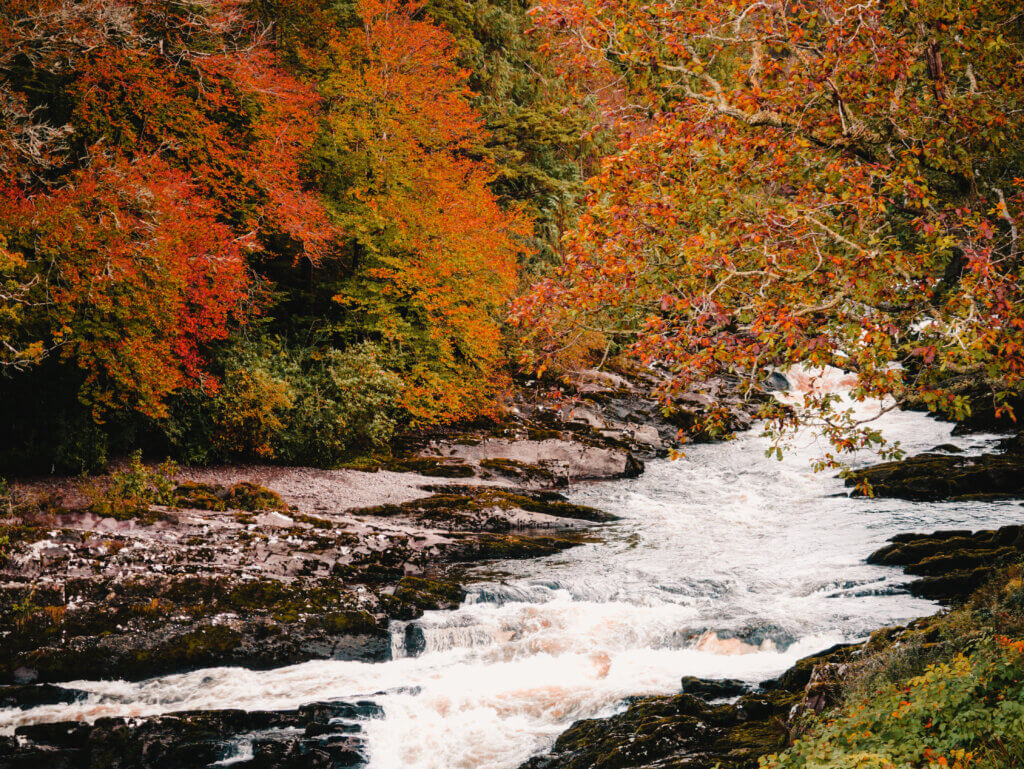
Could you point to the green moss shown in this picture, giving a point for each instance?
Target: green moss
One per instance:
(429, 594)
(200, 496)
(348, 623)
(250, 496)
(242, 496)
(436, 467)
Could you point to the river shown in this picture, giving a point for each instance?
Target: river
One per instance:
(724, 564)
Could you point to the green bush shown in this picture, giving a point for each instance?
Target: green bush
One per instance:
(296, 405)
(131, 491)
(345, 404)
(948, 694)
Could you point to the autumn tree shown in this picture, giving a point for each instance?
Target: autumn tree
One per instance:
(544, 135)
(148, 151)
(433, 258)
(821, 182)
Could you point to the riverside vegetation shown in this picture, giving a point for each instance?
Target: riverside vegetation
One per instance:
(451, 257)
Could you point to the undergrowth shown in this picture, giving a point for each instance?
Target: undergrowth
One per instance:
(948, 693)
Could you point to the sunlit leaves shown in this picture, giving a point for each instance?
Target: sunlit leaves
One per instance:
(436, 258)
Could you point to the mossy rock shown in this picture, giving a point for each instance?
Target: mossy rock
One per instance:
(200, 496)
(245, 496)
(250, 496)
(432, 466)
(482, 547)
(429, 594)
(940, 477)
(348, 623)
(521, 471)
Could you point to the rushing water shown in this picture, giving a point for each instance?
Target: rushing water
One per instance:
(725, 564)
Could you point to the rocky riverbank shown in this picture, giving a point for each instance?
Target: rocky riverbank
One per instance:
(943, 475)
(265, 566)
(262, 566)
(713, 724)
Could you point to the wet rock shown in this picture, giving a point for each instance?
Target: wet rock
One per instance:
(954, 563)
(799, 676)
(31, 696)
(686, 731)
(778, 381)
(939, 477)
(415, 640)
(716, 688)
(1012, 445)
(321, 735)
(678, 731)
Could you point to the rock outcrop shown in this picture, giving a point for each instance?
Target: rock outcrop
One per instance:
(951, 564)
(937, 477)
(321, 736)
(690, 730)
(213, 583)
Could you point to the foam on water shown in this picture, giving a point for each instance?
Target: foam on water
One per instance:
(725, 564)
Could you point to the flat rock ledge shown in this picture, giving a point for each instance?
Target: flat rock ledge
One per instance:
(321, 736)
(86, 596)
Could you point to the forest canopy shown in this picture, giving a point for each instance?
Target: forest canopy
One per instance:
(817, 183)
(280, 229)
(290, 229)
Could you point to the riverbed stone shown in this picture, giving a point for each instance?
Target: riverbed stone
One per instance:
(321, 736)
(938, 477)
(713, 688)
(951, 564)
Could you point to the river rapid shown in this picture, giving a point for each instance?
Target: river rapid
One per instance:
(725, 563)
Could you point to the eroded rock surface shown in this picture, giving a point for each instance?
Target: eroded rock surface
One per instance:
(689, 730)
(320, 736)
(297, 577)
(938, 477)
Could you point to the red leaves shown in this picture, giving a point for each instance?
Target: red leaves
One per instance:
(188, 140)
(811, 185)
(142, 276)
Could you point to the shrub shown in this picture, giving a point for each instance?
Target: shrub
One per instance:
(951, 715)
(299, 405)
(345, 404)
(250, 411)
(131, 491)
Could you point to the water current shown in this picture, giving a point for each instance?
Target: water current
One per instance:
(725, 563)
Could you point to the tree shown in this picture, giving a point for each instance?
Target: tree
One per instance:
(433, 257)
(149, 152)
(820, 182)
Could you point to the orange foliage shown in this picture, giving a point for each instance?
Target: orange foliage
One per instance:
(180, 157)
(443, 256)
(146, 275)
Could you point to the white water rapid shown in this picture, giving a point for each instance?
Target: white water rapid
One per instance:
(725, 564)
